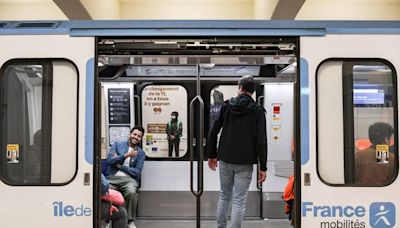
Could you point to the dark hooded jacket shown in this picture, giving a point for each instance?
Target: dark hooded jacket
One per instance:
(243, 138)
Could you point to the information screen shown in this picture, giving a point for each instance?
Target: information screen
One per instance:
(368, 95)
(119, 106)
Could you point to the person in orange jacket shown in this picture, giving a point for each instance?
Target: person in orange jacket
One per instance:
(288, 197)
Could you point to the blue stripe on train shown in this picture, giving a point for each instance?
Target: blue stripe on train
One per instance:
(89, 111)
(304, 112)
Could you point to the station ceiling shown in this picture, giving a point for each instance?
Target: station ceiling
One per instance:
(199, 9)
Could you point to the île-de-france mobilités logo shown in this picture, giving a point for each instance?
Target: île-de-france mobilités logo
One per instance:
(382, 215)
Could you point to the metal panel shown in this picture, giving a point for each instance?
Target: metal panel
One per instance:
(211, 28)
(273, 206)
(196, 32)
(279, 121)
(316, 50)
(174, 204)
(119, 112)
(52, 198)
(276, 223)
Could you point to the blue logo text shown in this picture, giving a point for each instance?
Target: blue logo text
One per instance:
(68, 210)
(309, 208)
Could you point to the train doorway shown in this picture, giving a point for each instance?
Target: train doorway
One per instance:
(148, 81)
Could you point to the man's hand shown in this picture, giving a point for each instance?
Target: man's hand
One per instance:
(212, 163)
(131, 153)
(262, 175)
(172, 137)
(118, 166)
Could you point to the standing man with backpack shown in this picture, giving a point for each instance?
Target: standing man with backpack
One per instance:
(242, 144)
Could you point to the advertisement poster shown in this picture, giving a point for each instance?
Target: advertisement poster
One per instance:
(164, 117)
(12, 153)
(382, 153)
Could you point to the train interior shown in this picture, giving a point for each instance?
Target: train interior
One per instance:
(144, 80)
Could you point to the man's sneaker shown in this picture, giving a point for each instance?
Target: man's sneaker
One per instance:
(105, 224)
(131, 224)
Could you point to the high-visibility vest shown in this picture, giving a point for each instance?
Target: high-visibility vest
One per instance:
(178, 126)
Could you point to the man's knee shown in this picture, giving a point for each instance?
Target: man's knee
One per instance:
(122, 211)
(132, 194)
(225, 195)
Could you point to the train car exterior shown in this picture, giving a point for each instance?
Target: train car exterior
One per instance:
(325, 86)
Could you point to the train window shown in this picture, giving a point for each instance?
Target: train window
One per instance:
(39, 122)
(357, 128)
(218, 95)
(164, 117)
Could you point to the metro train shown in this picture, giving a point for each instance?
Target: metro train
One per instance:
(69, 89)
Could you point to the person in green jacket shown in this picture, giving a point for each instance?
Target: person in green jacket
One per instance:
(174, 134)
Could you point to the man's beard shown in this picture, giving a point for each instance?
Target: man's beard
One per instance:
(131, 141)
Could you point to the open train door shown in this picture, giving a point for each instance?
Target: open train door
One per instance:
(46, 128)
(349, 163)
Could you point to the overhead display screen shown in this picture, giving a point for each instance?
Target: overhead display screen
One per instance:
(368, 95)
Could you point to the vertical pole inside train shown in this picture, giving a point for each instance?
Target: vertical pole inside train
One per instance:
(199, 134)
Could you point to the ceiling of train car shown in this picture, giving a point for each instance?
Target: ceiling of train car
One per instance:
(200, 9)
(274, 59)
(205, 46)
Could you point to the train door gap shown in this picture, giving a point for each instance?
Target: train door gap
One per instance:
(159, 77)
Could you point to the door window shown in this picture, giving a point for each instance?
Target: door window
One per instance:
(39, 122)
(357, 124)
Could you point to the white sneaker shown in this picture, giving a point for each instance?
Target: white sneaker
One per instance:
(131, 224)
(105, 224)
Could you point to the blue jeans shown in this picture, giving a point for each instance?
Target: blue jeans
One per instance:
(235, 181)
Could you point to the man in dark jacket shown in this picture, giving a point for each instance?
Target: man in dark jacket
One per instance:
(242, 144)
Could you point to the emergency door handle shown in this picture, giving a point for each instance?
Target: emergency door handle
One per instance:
(199, 146)
(86, 179)
(307, 181)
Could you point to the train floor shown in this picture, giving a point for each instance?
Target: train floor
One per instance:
(272, 223)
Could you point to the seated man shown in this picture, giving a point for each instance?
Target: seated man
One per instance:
(371, 167)
(125, 160)
(111, 205)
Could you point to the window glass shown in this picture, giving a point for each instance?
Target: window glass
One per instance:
(38, 129)
(355, 141)
(373, 95)
(218, 95)
(164, 117)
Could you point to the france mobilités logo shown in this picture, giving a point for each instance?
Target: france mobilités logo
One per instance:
(61, 209)
(382, 215)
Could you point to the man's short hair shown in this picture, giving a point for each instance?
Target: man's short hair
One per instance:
(138, 127)
(379, 131)
(175, 113)
(248, 83)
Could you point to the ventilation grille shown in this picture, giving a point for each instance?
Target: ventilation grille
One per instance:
(36, 25)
